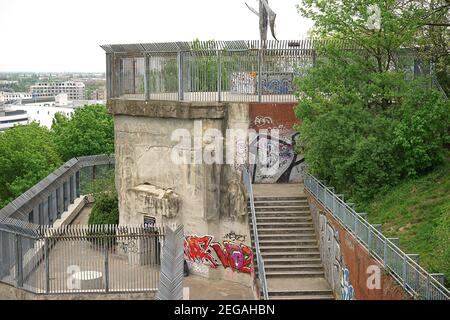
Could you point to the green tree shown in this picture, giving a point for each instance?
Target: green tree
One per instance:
(366, 124)
(27, 155)
(89, 131)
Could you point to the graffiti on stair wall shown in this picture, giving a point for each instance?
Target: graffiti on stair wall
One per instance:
(279, 148)
(335, 269)
(228, 254)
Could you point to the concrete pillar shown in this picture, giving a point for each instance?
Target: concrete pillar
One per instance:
(45, 215)
(65, 195)
(60, 201)
(72, 188)
(35, 215)
(77, 184)
(54, 210)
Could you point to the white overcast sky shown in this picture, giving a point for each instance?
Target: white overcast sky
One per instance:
(63, 35)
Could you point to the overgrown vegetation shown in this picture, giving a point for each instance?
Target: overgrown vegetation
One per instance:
(366, 125)
(418, 212)
(105, 209)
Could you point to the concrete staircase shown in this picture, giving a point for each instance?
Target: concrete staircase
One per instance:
(288, 243)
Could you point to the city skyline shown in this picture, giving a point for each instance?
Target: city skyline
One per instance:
(42, 38)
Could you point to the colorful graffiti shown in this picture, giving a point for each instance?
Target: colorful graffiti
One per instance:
(236, 256)
(276, 146)
(335, 270)
(290, 165)
(229, 254)
(198, 249)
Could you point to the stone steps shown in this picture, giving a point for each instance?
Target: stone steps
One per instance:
(294, 274)
(296, 248)
(293, 267)
(281, 208)
(287, 236)
(287, 230)
(287, 242)
(291, 255)
(289, 246)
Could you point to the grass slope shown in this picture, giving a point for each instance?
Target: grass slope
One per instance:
(418, 212)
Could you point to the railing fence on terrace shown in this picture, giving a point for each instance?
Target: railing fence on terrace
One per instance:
(401, 266)
(81, 259)
(235, 71)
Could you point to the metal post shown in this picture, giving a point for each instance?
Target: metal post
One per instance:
(147, 78)
(404, 272)
(109, 78)
(416, 258)
(259, 74)
(19, 261)
(46, 266)
(219, 76)
(180, 76)
(106, 257)
(385, 253)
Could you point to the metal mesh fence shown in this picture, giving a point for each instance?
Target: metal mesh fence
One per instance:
(406, 271)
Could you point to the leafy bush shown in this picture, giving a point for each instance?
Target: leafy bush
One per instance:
(105, 209)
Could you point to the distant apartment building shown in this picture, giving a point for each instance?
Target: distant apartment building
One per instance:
(75, 90)
(98, 94)
(13, 96)
(9, 119)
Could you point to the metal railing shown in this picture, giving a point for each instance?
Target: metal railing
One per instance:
(401, 266)
(207, 71)
(81, 259)
(44, 203)
(259, 258)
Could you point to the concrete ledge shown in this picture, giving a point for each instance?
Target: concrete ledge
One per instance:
(8, 292)
(72, 212)
(167, 109)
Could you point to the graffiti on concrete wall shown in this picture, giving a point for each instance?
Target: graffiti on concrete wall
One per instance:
(336, 272)
(235, 237)
(280, 153)
(274, 144)
(228, 254)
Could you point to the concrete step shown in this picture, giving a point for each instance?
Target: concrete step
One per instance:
(294, 274)
(283, 219)
(290, 254)
(290, 293)
(287, 230)
(289, 236)
(270, 198)
(297, 248)
(284, 225)
(280, 203)
(292, 267)
(280, 214)
(302, 297)
(287, 242)
(282, 208)
(288, 261)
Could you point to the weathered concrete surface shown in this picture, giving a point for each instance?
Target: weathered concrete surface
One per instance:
(8, 292)
(205, 289)
(167, 109)
(210, 198)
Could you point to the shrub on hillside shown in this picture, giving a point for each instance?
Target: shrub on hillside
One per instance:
(105, 209)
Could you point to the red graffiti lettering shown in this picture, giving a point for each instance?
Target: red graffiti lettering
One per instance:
(235, 256)
(197, 249)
